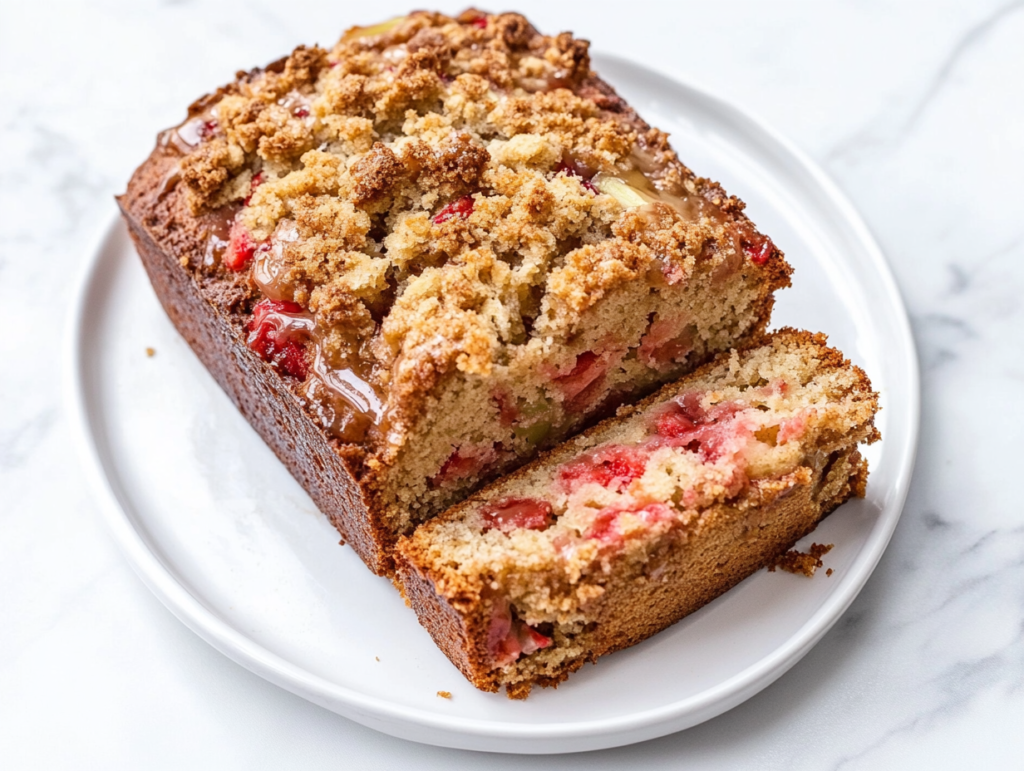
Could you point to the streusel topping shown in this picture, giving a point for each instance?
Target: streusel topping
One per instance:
(436, 191)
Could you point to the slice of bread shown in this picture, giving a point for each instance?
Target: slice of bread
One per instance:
(419, 258)
(644, 518)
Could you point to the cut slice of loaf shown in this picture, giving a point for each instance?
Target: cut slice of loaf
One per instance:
(632, 525)
(418, 258)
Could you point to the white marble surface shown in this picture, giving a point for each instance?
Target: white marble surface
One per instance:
(914, 108)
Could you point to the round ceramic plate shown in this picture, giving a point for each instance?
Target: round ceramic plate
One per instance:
(232, 545)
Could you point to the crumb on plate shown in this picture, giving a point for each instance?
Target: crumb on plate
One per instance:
(806, 563)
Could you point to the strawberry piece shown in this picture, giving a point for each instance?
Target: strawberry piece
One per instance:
(508, 637)
(208, 128)
(517, 513)
(606, 524)
(613, 467)
(667, 341)
(604, 527)
(466, 461)
(293, 360)
(272, 334)
(712, 433)
(759, 248)
(792, 428)
(530, 640)
(681, 416)
(301, 112)
(241, 248)
(502, 643)
(570, 171)
(461, 208)
(674, 425)
(585, 398)
(588, 368)
(480, 22)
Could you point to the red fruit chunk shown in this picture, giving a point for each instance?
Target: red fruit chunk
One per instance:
(466, 461)
(502, 642)
(588, 368)
(480, 22)
(759, 248)
(241, 248)
(265, 307)
(301, 112)
(276, 337)
(605, 527)
(530, 639)
(613, 467)
(667, 341)
(681, 416)
(508, 638)
(673, 272)
(711, 433)
(585, 398)
(461, 208)
(792, 428)
(293, 360)
(208, 128)
(569, 171)
(517, 513)
(257, 180)
(674, 425)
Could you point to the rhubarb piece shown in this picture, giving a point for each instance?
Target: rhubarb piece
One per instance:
(644, 518)
(461, 208)
(511, 514)
(611, 466)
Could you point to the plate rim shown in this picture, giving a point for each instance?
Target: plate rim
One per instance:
(421, 725)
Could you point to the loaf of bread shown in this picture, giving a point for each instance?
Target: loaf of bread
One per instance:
(644, 518)
(420, 257)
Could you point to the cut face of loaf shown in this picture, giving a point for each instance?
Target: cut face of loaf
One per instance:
(641, 520)
(420, 257)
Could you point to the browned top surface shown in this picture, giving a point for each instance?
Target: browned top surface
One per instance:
(353, 152)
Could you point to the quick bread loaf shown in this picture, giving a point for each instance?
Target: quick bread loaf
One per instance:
(644, 518)
(419, 258)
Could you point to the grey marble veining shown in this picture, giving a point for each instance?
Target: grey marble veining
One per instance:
(915, 108)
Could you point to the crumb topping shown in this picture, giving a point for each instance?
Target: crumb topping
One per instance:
(429, 190)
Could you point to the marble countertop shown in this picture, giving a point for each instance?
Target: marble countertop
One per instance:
(914, 108)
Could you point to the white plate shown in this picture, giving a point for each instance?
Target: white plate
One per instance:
(221, 533)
